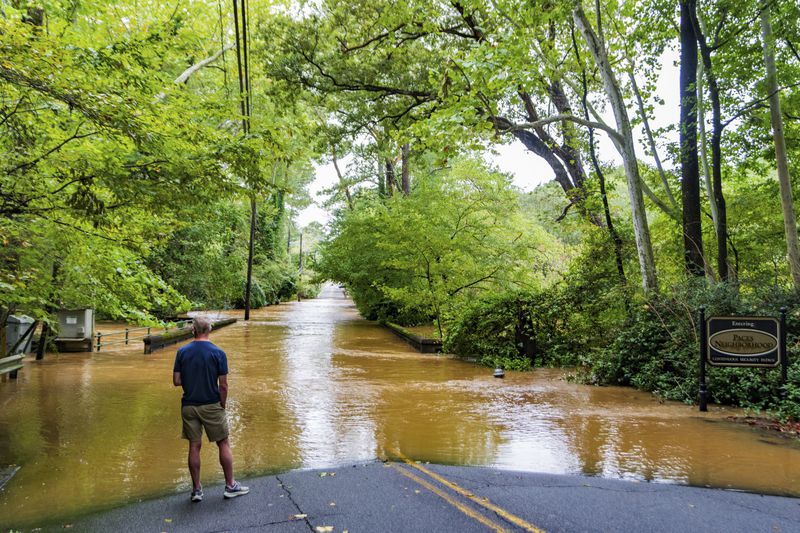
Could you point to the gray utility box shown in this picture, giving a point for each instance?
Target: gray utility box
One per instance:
(16, 327)
(75, 330)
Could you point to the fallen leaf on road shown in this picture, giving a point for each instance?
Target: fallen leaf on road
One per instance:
(332, 504)
(299, 516)
(168, 520)
(324, 529)
(416, 491)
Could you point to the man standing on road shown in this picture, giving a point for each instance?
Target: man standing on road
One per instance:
(201, 369)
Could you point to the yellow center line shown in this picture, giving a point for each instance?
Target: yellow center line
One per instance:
(484, 502)
(449, 499)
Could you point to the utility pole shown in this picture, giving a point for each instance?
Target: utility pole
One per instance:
(300, 261)
(242, 63)
(300, 266)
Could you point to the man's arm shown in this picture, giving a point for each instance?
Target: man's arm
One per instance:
(223, 390)
(176, 379)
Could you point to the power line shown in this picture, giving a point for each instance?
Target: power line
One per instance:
(242, 63)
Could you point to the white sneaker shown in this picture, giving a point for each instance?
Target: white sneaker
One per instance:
(236, 490)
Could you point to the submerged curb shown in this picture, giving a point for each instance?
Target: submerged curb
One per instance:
(418, 342)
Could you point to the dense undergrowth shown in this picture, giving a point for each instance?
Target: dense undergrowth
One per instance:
(653, 347)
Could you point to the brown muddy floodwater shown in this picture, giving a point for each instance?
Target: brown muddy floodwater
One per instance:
(314, 385)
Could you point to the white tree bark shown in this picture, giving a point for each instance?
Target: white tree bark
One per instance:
(641, 229)
(186, 74)
(650, 139)
(789, 220)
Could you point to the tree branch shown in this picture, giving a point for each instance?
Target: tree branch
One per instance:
(184, 77)
(468, 285)
(32, 163)
(754, 103)
(614, 134)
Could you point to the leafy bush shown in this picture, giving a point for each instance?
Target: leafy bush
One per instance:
(278, 279)
(657, 350)
(558, 326)
(410, 259)
(257, 296)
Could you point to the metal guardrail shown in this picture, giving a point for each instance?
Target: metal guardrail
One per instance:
(11, 363)
(127, 334)
(156, 342)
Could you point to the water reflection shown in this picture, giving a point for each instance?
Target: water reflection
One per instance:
(313, 385)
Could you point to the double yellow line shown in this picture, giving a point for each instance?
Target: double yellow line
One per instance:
(483, 502)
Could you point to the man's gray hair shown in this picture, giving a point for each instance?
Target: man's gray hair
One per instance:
(201, 325)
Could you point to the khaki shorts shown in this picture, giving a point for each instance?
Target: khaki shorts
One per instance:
(211, 417)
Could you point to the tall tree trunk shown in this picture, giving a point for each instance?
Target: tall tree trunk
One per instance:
(789, 220)
(641, 230)
(690, 171)
(716, 150)
(342, 182)
(701, 124)
(390, 179)
(612, 232)
(404, 171)
(651, 140)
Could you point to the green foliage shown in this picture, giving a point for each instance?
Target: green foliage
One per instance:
(416, 257)
(205, 256)
(555, 325)
(657, 349)
(123, 172)
(278, 279)
(258, 297)
(490, 329)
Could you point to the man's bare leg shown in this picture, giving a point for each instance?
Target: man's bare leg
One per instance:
(194, 463)
(226, 460)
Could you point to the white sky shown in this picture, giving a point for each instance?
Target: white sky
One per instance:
(527, 169)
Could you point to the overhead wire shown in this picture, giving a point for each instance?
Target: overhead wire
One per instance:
(241, 66)
(246, 55)
(242, 62)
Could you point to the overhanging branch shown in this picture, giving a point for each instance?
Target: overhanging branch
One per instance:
(614, 134)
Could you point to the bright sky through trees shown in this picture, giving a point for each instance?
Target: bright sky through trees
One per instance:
(527, 169)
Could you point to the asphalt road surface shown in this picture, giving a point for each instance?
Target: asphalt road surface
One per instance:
(408, 496)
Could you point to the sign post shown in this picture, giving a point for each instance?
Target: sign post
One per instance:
(703, 356)
(743, 341)
(785, 358)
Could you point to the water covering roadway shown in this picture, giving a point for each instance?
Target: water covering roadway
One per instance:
(313, 385)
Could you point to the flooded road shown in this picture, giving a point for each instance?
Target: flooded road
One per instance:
(314, 385)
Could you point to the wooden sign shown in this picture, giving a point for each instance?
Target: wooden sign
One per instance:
(744, 341)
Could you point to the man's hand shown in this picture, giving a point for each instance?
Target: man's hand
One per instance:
(176, 379)
(223, 390)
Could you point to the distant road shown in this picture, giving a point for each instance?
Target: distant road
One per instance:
(410, 497)
(331, 292)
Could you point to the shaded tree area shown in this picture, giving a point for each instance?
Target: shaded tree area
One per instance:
(124, 167)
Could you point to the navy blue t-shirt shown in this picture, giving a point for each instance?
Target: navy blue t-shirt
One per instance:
(200, 364)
